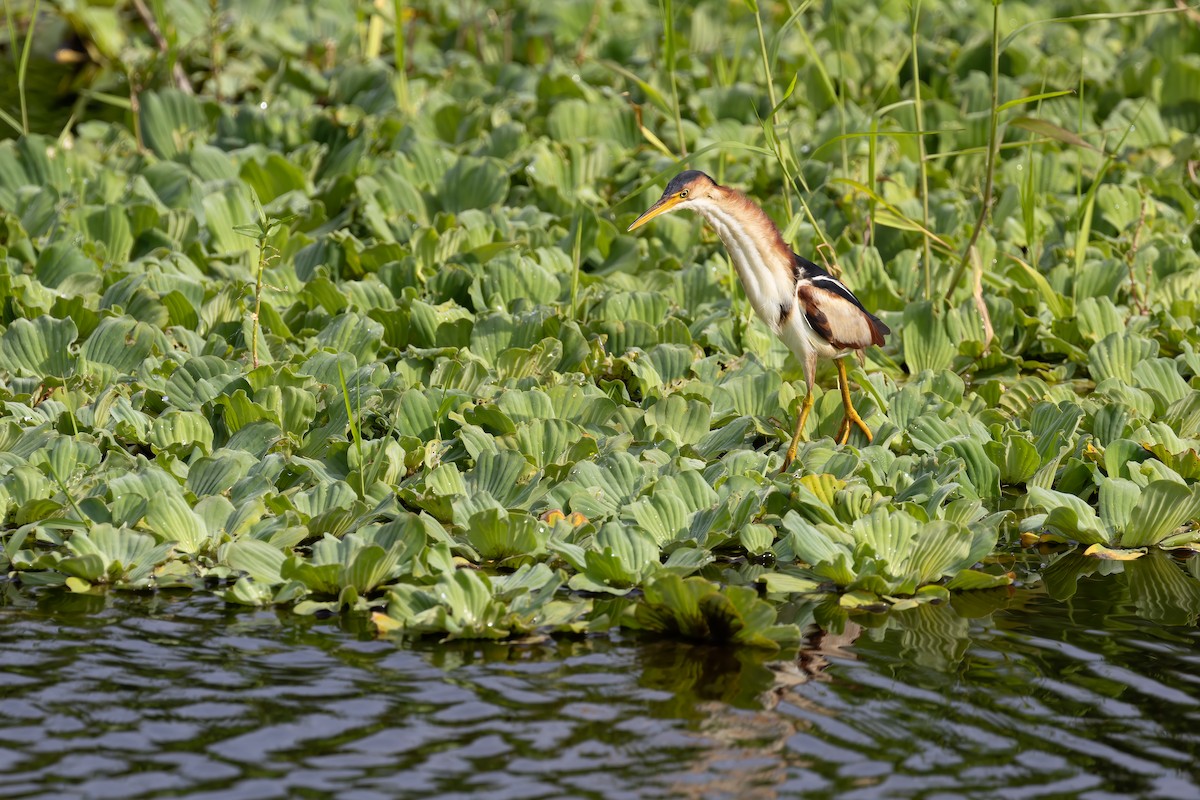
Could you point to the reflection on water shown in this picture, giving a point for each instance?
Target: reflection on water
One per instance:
(1082, 686)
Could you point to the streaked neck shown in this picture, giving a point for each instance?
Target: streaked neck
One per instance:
(758, 252)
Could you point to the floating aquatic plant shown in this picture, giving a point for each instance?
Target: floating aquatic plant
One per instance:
(441, 386)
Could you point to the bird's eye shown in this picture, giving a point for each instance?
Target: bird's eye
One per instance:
(683, 194)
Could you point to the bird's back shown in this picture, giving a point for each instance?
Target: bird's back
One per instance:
(833, 311)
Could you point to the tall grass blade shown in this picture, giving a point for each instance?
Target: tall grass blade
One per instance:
(769, 80)
(400, 56)
(23, 68)
(670, 54)
(354, 430)
(922, 162)
(1084, 231)
(990, 167)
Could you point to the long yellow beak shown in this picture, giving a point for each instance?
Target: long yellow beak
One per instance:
(665, 204)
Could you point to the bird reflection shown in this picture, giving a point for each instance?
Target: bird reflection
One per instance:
(730, 697)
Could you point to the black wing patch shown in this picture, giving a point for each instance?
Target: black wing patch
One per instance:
(819, 323)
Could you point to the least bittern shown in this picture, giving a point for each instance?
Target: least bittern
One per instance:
(831, 323)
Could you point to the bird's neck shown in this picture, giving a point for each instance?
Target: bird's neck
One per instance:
(762, 259)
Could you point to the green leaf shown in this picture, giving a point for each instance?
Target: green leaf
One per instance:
(1036, 98)
(90, 567)
(664, 516)
(170, 518)
(473, 183)
(1097, 318)
(1118, 497)
(686, 560)
(504, 475)
(755, 395)
(168, 118)
(1161, 375)
(1115, 356)
(785, 583)
(1058, 304)
(606, 485)
(224, 213)
(467, 603)
(979, 469)
(633, 549)
(548, 441)
(369, 567)
(1070, 515)
(182, 429)
(1120, 206)
(510, 279)
(941, 549)
(970, 580)
(272, 177)
(495, 534)
(672, 604)
(927, 344)
(110, 227)
(354, 334)
(1163, 507)
(259, 560)
(810, 544)
(1183, 415)
(756, 538)
(648, 307)
(679, 420)
(120, 342)
(111, 554)
(1051, 131)
(1017, 458)
(39, 347)
(61, 261)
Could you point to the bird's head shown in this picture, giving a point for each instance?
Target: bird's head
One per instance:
(684, 189)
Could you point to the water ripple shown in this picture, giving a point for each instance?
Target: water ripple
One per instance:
(187, 698)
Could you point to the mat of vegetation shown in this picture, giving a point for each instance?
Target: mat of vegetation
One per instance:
(339, 336)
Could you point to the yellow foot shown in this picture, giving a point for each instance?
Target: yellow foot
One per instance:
(851, 415)
(862, 426)
(843, 434)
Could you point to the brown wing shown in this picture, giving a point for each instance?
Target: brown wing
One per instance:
(839, 319)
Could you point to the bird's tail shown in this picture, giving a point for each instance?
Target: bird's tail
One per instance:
(878, 330)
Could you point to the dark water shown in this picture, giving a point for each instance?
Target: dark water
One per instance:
(1008, 696)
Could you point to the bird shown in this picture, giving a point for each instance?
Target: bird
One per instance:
(814, 313)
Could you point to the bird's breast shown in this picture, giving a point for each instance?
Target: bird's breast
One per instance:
(767, 281)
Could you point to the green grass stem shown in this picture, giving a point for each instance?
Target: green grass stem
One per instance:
(375, 31)
(67, 493)
(576, 262)
(1087, 211)
(669, 53)
(872, 173)
(355, 433)
(922, 163)
(772, 97)
(23, 66)
(990, 167)
(214, 46)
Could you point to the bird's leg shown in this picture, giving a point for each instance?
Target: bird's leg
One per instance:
(800, 420)
(809, 363)
(851, 415)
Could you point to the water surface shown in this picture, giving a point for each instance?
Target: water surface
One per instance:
(1010, 696)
